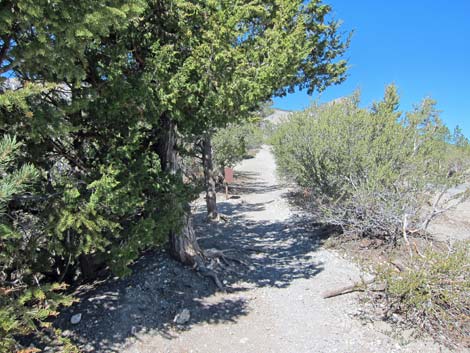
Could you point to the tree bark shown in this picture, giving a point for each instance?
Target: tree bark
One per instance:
(182, 241)
(209, 179)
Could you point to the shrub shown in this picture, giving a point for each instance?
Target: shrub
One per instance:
(432, 293)
(370, 171)
(231, 144)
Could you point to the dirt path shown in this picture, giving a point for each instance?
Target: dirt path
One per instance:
(274, 304)
(284, 308)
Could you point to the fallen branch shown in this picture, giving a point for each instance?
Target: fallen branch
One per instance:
(355, 287)
(405, 236)
(398, 265)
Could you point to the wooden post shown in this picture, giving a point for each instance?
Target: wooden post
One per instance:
(228, 179)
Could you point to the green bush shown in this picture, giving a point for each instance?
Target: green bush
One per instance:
(232, 144)
(370, 171)
(432, 293)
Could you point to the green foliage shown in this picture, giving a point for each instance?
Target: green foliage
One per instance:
(370, 170)
(232, 143)
(433, 292)
(25, 303)
(237, 55)
(16, 181)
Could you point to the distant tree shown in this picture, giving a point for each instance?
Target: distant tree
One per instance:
(266, 109)
(459, 139)
(231, 144)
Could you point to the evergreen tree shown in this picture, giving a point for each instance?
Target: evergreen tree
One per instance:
(24, 300)
(212, 63)
(100, 93)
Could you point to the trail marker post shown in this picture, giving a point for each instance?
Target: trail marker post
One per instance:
(228, 173)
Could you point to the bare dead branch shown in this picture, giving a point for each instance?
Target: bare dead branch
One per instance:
(359, 286)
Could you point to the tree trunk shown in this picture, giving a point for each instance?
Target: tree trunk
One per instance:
(183, 243)
(209, 180)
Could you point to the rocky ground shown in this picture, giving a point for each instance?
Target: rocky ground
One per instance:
(274, 301)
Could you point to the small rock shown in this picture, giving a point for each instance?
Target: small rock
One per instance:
(66, 333)
(88, 348)
(75, 319)
(183, 317)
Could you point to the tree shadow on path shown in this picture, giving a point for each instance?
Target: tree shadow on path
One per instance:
(273, 254)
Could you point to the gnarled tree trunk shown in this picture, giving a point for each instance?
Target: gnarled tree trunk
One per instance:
(183, 243)
(209, 179)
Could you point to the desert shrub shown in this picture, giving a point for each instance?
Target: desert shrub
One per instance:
(231, 144)
(370, 171)
(432, 293)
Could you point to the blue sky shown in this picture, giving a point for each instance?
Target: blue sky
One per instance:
(421, 46)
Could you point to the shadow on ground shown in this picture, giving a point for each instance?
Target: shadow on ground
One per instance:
(273, 254)
(249, 183)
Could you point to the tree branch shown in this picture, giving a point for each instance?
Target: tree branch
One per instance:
(5, 47)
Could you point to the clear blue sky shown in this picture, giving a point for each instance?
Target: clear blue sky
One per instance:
(421, 46)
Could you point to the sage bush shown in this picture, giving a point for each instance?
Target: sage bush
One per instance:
(373, 172)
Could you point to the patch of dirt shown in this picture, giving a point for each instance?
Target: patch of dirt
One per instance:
(453, 225)
(373, 253)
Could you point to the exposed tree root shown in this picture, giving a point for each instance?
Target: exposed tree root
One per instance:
(217, 218)
(207, 272)
(221, 254)
(211, 261)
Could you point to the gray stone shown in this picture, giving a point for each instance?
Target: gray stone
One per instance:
(75, 319)
(182, 317)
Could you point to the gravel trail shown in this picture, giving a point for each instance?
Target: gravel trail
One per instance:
(280, 292)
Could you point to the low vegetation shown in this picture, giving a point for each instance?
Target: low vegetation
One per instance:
(431, 292)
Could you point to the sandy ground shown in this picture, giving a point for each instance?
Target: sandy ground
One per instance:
(453, 225)
(283, 310)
